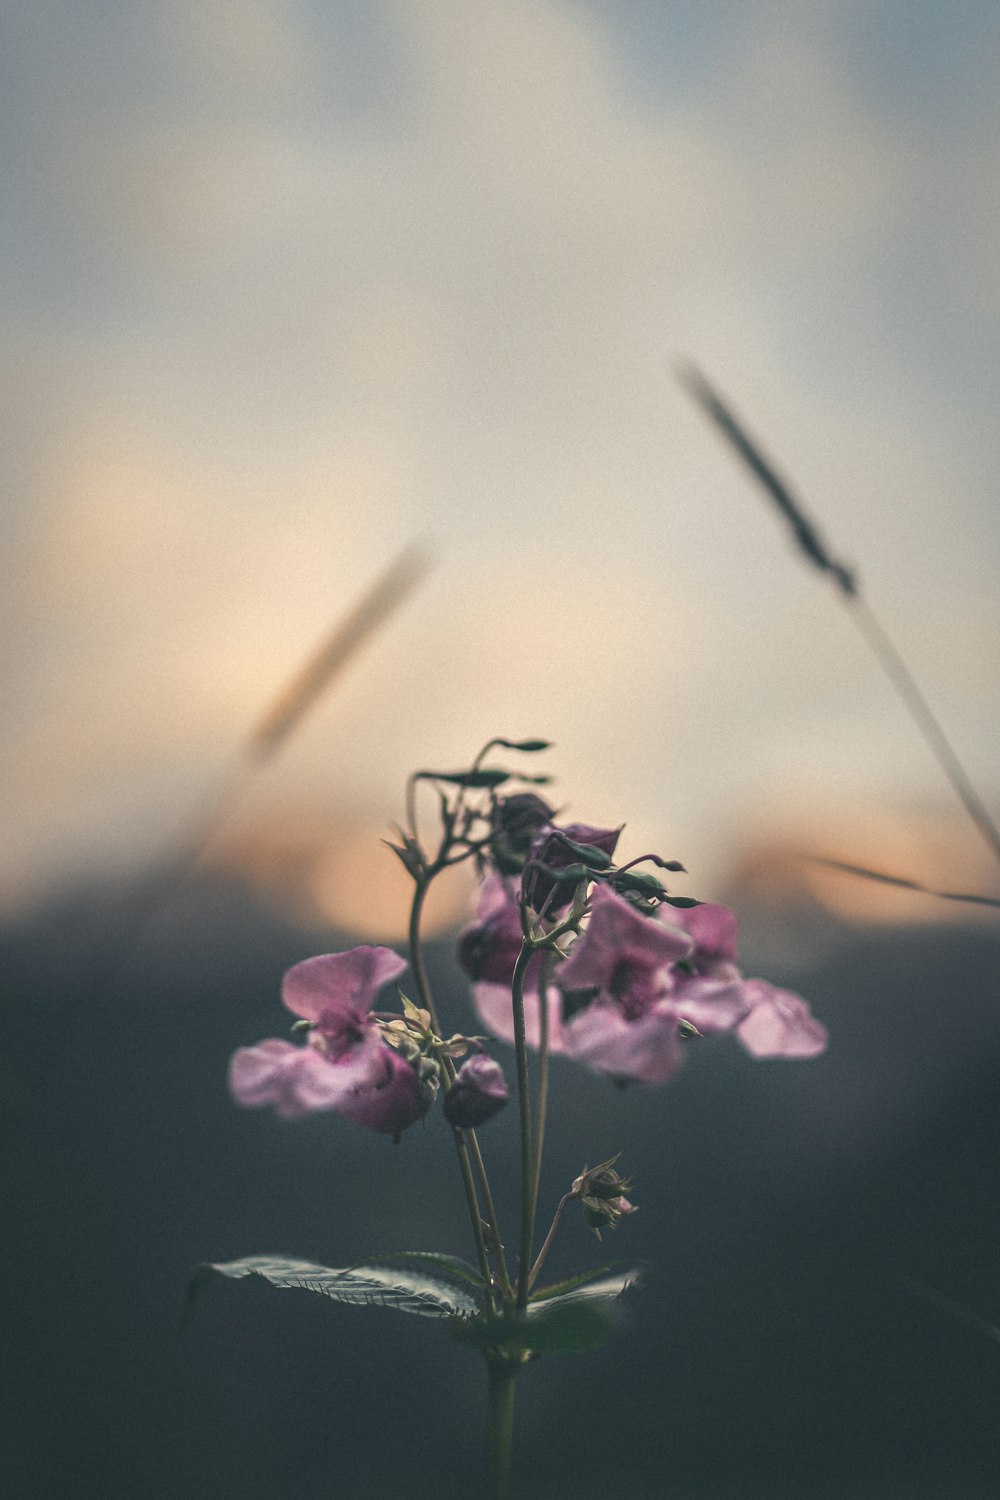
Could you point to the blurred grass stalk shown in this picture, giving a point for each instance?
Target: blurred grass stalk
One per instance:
(270, 733)
(812, 546)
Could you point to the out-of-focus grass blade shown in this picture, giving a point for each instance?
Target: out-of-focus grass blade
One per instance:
(809, 542)
(905, 885)
(145, 898)
(385, 596)
(804, 531)
(957, 1309)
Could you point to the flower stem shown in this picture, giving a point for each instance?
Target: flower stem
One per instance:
(500, 1425)
(524, 1102)
(547, 1245)
(548, 960)
(469, 1155)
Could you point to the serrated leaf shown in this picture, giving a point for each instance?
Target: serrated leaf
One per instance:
(568, 1284)
(563, 1322)
(369, 1284)
(432, 1261)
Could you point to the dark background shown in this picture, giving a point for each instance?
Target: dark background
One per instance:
(778, 1347)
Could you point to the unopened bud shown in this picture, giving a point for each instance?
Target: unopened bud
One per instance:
(477, 1094)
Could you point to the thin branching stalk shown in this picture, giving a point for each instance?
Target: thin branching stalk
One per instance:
(548, 960)
(524, 1105)
(469, 1155)
(549, 1238)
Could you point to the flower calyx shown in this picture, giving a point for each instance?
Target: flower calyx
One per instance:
(603, 1196)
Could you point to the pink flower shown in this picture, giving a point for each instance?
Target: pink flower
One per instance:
(628, 1027)
(389, 1101)
(779, 1024)
(345, 1064)
(488, 947)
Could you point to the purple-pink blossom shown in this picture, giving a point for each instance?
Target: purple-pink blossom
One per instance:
(345, 1064)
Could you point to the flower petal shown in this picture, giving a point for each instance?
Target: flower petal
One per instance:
(616, 930)
(296, 1081)
(495, 1008)
(713, 1003)
(779, 1024)
(648, 1049)
(340, 984)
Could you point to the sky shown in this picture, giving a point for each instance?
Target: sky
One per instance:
(289, 285)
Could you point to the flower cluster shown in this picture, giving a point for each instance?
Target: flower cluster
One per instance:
(380, 1070)
(616, 973)
(637, 974)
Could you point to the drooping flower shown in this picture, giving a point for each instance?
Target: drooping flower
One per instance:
(779, 1023)
(345, 1064)
(477, 1094)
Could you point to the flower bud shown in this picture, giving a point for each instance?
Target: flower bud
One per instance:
(549, 882)
(516, 822)
(477, 1094)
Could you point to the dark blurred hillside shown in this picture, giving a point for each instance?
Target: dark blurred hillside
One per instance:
(777, 1349)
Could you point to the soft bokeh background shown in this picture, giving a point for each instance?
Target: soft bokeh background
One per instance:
(289, 284)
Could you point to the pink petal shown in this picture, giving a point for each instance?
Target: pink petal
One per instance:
(617, 929)
(714, 928)
(780, 1024)
(495, 1008)
(295, 1080)
(648, 1050)
(712, 1003)
(344, 984)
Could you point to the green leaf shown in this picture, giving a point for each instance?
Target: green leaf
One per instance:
(580, 1278)
(683, 902)
(369, 1284)
(559, 1321)
(445, 1266)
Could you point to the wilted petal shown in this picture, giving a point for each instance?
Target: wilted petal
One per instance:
(340, 987)
(779, 1024)
(391, 1100)
(495, 1008)
(648, 1050)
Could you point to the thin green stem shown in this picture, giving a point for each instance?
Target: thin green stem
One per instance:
(547, 1245)
(524, 1102)
(463, 1140)
(420, 889)
(548, 960)
(491, 1215)
(500, 1425)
